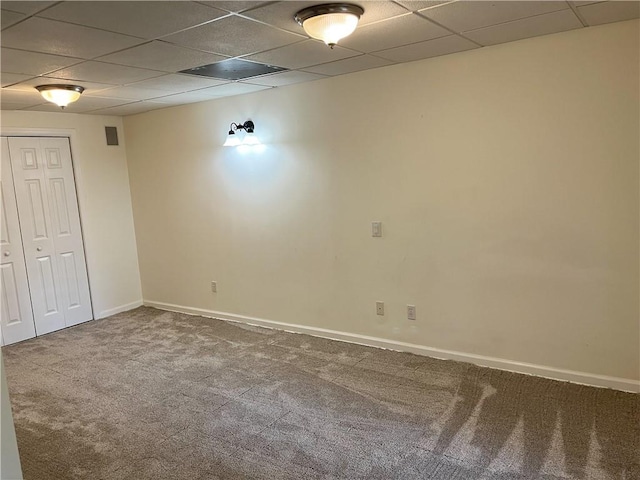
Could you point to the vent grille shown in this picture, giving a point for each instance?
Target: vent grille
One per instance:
(233, 69)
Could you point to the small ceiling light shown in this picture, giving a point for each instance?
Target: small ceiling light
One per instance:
(62, 95)
(329, 22)
(233, 139)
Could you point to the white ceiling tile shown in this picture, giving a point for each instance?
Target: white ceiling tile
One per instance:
(129, 109)
(586, 2)
(233, 36)
(428, 49)
(31, 63)
(350, 65)
(158, 18)
(280, 14)
(607, 12)
(182, 98)
(178, 83)
(394, 32)
(286, 78)
(414, 6)
(26, 7)
(21, 97)
(158, 55)
(50, 36)
(29, 85)
(235, 88)
(11, 78)
(105, 73)
(303, 54)
(553, 22)
(210, 93)
(43, 107)
(9, 18)
(234, 6)
(462, 16)
(128, 93)
(11, 106)
(84, 105)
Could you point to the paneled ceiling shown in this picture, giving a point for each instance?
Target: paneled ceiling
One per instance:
(127, 54)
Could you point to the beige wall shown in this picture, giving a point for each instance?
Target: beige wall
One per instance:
(105, 203)
(506, 179)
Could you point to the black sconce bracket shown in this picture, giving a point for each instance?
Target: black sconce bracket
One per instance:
(247, 126)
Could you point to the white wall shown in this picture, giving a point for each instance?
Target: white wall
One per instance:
(105, 203)
(506, 179)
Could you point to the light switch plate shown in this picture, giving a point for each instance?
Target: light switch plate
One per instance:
(411, 312)
(376, 229)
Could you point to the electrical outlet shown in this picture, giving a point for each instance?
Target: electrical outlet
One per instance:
(380, 308)
(411, 312)
(376, 229)
(214, 287)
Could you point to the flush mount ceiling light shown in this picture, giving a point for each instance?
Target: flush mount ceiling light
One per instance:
(61, 95)
(233, 139)
(329, 22)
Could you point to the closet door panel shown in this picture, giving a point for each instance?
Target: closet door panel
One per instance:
(16, 316)
(35, 219)
(66, 230)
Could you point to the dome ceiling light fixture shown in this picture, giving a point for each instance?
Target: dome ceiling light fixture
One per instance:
(62, 95)
(329, 22)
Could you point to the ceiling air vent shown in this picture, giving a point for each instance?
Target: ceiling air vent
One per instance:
(233, 70)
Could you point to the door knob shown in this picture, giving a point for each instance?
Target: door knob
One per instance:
(39, 249)
(6, 254)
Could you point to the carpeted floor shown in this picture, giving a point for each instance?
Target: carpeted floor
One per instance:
(149, 394)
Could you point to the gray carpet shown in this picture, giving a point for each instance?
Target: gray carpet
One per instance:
(149, 394)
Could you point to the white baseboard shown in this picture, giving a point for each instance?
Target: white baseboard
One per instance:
(119, 309)
(584, 378)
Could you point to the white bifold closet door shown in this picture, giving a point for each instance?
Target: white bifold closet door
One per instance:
(51, 234)
(16, 317)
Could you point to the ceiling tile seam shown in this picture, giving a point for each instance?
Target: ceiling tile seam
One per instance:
(435, 6)
(577, 13)
(169, 92)
(26, 17)
(17, 23)
(242, 57)
(165, 42)
(265, 4)
(292, 70)
(393, 62)
(382, 20)
(142, 39)
(21, 81)
(273, 26)
(46, 73)
(260, 52)
(453, 32)
(159, 72)
(202, 24)
(114, 106)
(518, 20)
(419, 41)
(404, 6)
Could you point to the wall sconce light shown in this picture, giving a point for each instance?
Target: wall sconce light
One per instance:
(329, 22)
(62, 95)
(233, 138)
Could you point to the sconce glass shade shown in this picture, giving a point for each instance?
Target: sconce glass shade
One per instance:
(232, 140)
(251, 139)
(61, 95)
(331, 22)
